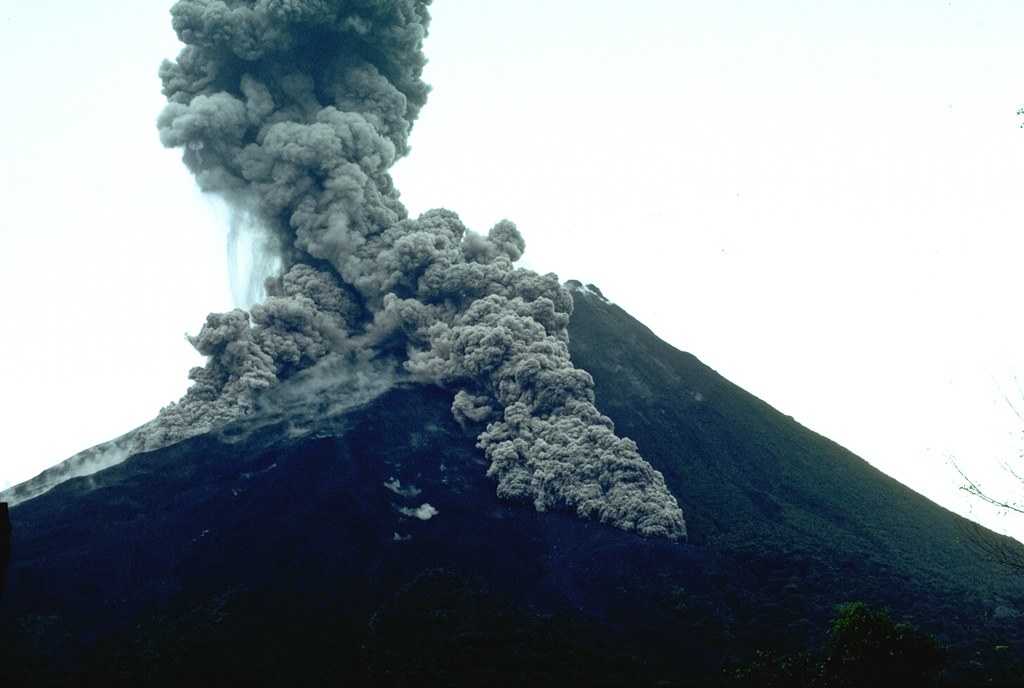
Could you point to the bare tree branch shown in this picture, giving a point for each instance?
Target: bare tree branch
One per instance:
(974, 489)
(995, 547)
(1000, 549)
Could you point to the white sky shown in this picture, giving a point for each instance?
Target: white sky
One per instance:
(820, 200)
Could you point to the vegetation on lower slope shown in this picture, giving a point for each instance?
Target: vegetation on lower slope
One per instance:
(863, 648)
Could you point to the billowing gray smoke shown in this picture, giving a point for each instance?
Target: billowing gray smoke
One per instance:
(294, 111)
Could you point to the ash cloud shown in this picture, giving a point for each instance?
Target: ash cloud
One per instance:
(294, 111)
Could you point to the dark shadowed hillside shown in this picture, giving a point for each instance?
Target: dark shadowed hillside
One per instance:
(798, 521)
(368, 546)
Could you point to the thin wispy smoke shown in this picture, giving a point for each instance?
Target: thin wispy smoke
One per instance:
(294, 111)
(85, 462)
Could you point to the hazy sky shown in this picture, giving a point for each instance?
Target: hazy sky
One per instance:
(819, 200)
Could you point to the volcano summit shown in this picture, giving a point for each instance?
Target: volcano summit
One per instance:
(294, 112)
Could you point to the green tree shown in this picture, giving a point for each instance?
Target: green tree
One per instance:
(864, 647)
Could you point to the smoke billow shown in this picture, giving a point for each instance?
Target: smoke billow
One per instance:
(294, 111)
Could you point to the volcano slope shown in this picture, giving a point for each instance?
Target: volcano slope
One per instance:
(323, 540)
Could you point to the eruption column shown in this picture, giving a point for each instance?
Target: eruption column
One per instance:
(294, 111)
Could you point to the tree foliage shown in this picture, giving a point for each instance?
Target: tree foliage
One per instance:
(863, 647)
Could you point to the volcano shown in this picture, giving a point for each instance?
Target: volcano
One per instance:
(331, 538)
(413, 462)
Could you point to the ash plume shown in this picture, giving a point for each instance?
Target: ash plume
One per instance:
(294, 112)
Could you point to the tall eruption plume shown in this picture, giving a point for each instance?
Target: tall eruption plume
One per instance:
(294, 111)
